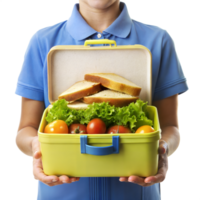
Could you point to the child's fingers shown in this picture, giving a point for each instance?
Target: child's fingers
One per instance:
(39, 175)
(66, 179)
(38, 169)
(73, 179)
(123, 179)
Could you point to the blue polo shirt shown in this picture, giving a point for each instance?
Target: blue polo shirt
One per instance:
(168, 79)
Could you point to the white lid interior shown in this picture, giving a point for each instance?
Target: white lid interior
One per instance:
(67, 65)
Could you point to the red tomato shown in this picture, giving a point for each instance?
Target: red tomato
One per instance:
(77, 128)
(118, 129)
(57, 126)
(96, 126)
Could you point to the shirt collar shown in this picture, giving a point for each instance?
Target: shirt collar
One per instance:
(80, 30)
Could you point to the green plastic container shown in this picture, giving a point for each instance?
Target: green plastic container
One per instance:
(66, 154)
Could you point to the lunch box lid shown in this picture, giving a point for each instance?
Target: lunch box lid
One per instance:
(67, 64)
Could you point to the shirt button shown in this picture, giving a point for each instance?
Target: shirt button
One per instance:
(99, 35)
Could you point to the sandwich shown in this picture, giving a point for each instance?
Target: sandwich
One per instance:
(102, 87)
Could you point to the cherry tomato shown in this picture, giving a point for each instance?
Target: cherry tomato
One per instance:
(118, 129)
(145, 129)
(57, 126)
(77, 128)
(96, 126)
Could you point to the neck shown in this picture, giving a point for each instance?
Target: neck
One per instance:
(99, 19)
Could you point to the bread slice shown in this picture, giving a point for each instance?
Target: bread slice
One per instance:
(113, 97)
(77, 105)
(114, 82)
(79, 90)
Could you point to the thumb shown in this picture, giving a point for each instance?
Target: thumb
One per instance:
(37, 154)
(163, 147)
(36, 148)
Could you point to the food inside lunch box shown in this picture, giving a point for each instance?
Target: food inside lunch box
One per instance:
(103, 87)
(102, 103)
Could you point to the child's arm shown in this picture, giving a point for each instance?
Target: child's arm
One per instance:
(31, 114)
(168, 116)
(27, 141)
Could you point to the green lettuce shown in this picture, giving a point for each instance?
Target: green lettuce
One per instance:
(61, 111)
(103, 111)
(141, 114)
(132, 116)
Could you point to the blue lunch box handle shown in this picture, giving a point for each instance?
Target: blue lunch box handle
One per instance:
(99, 151)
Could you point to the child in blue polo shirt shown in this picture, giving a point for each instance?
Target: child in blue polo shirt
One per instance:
(105, 19)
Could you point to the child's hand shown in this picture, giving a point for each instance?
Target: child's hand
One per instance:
(162, 169)
(38, 169)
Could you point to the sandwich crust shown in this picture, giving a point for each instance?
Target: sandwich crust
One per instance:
(111, 83)
(78, 94)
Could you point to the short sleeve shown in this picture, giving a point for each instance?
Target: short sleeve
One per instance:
(30, 81)
(171, 79)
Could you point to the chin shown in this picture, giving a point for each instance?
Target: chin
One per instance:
(100, 4)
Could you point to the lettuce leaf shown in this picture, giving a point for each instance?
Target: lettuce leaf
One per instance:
(133, 116)
(103, 111)
(141, 114)
(62, 112)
